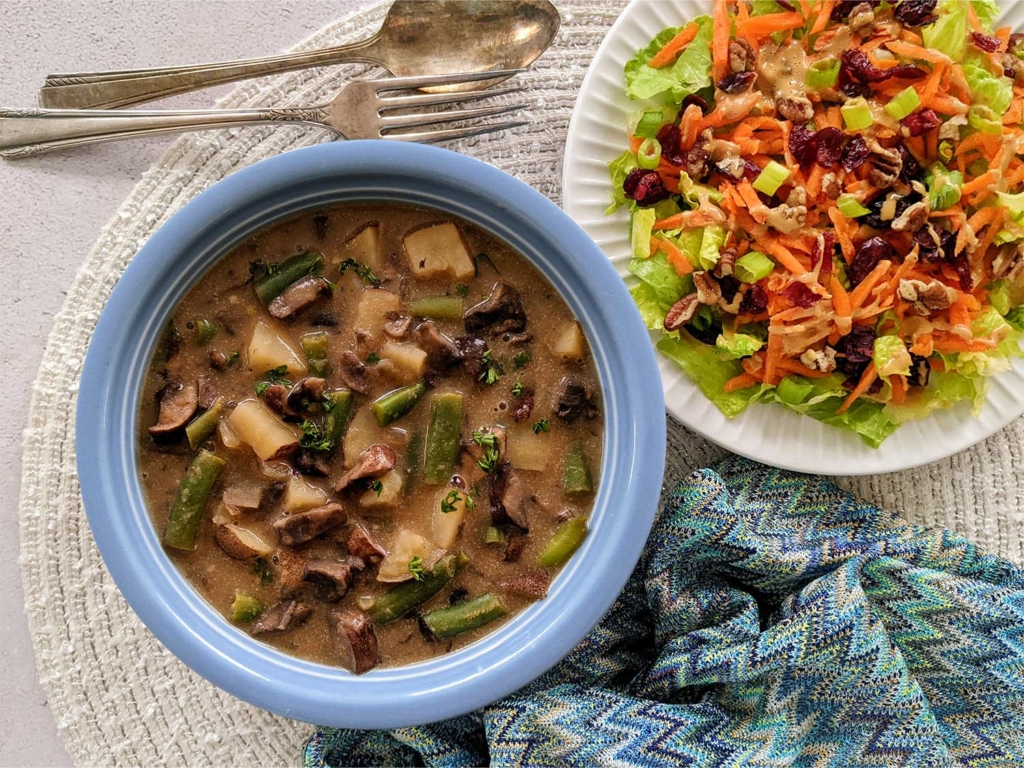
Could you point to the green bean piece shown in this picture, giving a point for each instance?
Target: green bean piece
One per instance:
(315, 347)
(276, 280)
(338, 407)
(567, 539)
(399, 600)
(443, 435)
(495, 536)
(204, 331)
(576, 479)
(437, 307)
(202, 427)
(462, 617)
(245, 608)
(190, 502)
(395, 404)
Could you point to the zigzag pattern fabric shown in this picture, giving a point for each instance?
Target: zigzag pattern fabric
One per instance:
(775, 621)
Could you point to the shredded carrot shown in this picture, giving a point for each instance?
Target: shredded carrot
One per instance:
(742, 381)
(675, 257)
(720, 39)
(986, 179)
(842, 233)
(674, 47)
(782, 255)
(814, 181)
(823, 16)
(909, 51)
(840, 298)
(923, 345)
(789, 365)
(773, 355)
(770, 23)
(899, 388)
(949, 345)
(865, 286)
(866, 380)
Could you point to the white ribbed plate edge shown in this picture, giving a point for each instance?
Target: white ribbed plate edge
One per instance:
(767, 433)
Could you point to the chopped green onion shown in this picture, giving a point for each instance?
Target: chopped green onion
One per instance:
(982, 118)
(649, 124)
(793, 389)
(772, 177)
(946, 151)
(903, 103)
(822, 74)
(649, 154)
(943, 187)
(752, 266)
(850, 207)
(495, 536)
(857, 114)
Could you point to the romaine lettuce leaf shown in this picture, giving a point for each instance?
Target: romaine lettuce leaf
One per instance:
(668, 286)
(987, 11)
(640, 232)
(891, 356)
(618, 170)
(712, 240)
(690, 72)
(948, 33)
(989, 90)
(944, 389)
(646, 300)
(701, 363)
(737, 345)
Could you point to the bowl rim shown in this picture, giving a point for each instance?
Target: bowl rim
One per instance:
(183, 249)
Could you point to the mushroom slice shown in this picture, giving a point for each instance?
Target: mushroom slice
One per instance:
(304, 526)
(178, 402)
(575, 399)
(299, 296)
(508, 497)
(331, 579)
(289, 613)
(441, 351)
(305, 391)
(206, 392)
(373, 462)
(353, 373)
(241, 543)
(502, 311)
(531, 582)
(361, 544)
(354, 640)
(471, 351)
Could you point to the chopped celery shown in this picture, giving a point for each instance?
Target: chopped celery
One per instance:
(857, 114)
(822, 74)
(903, 103)
(648, 155)
(850, 207)
(772, 177)
(752, 266)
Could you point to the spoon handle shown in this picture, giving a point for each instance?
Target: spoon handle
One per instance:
(122, 88)
(29, 132)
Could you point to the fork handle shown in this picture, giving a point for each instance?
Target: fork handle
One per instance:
(122, 88)
(28, 132)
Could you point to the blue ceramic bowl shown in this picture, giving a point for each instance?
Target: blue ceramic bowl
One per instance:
(184, 249)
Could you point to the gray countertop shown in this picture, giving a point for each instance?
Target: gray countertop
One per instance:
(51, 212)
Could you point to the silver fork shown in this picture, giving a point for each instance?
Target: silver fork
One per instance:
(362, 110)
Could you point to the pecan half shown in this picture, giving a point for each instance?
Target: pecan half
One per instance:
(708, 290)
(926, 298)
(862, 18)
(682, 312)
(886, 165)
(741, 56)
(726, 262)
(913, 218)
(796, 107)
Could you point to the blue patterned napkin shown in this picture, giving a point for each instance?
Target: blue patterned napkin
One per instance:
(774, 621)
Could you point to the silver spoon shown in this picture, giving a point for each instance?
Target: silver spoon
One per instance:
(418, 37)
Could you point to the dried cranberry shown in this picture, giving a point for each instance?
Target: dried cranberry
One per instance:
(755, 300)
(905, 72)
(851, 87)
(920, 369)
(855, 154)
(646, 187)
(915, 13)
(841, 10)
(830, 147)
(737, 81)
(874, 219)
(855, 351)
(985, 42)
(859, 66)
(963, 271)
(801, 295)
(803, 145)
(912, 170)
(670, 139)
(868, 255)
(1007, 72)
(729, 286)
(825, 257)
(693, 98)
(920, 122)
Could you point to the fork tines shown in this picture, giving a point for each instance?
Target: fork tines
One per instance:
(392, 122)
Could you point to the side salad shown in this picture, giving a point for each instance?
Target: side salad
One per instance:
(827, 204)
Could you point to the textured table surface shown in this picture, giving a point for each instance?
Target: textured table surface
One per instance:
(51, 212)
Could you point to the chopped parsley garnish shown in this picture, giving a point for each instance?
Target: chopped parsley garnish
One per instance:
(273, 376)
(362, 271)
(494, 370)
(328, 404)
(517, 389)
(462, 289)
(489, 461)
(470, 504)
(262, 569)
(541, 426)
(448, 502)
(313, 437)
(233, 359)
(485, 439)
(521, 359)
(373, 358)
(377, 486)
(416, 567)
(491, 377)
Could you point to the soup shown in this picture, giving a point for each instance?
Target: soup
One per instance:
(370, 435)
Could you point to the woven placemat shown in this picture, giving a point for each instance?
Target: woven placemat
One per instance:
(118, 696)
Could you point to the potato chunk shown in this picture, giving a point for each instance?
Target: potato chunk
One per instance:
(449, 510)
(391, 488)
(266, 434)
(529, 451)
(570, 344)
(408, 545)
(410, 361)
(301, 495)
(436, 250)
(364, 247)
(269, 350)
(362, 432)
(372, 311)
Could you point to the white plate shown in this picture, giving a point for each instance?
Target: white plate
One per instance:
(766, 432)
